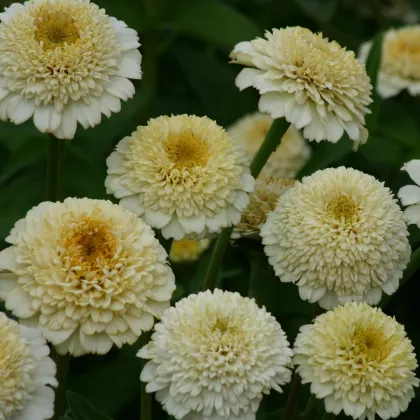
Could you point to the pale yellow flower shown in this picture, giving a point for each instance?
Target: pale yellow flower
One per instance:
(314, 83)
(88, 273)
(64, 62)
(358, 360)
(214, 355)
(187, 249)
(183, 174)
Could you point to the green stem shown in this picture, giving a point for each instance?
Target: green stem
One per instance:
(216, 258)
(310, 410)
(275, 134)
(293, 398)
(277, 130)
(145, 403)
(53, 167)
(409, 272)
(63, 364)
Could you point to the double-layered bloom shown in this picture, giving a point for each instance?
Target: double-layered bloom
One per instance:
(214, 355)
(410, 194)
(27, 373)
(400, 65)
(291, 155)
(64, 62)
(183, 174)
(314, 83)
(340, 236)
(87, 273)
(358, 360)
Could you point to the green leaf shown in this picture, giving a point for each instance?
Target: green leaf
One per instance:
(373, 64)
(82, 409)
(322, 10)
(214, 22)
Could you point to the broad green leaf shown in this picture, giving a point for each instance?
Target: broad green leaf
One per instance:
(213, 21)
(383, 150)
(322, 10)
(373, 64)
(82, 409)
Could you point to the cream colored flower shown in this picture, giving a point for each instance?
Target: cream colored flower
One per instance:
(312, 82)
(214, 355)
(410, 194)
(187, 249)
(400, 66)
(87, 273)
(358, 360)
(289, 158)
(64, 62)
(183, 174)
(340, 236)
(27, 373)
(263, 201)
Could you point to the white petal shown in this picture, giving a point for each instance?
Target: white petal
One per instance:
(409, 194)
(98, 343)
(132, 203)
(194, 224)
(413, 169)
(22, 112)
(121, 88)
(274, 103)
(412, 215)
(130, 65)
(8, 260)
(20, 303)
(245, 78)
(46, 118)
(157, 219)
(173, 230)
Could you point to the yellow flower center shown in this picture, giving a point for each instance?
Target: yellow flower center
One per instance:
(370, 344)
(90, 246)
(342, 208)
(186, 247)
(186, 150)
(55, 29)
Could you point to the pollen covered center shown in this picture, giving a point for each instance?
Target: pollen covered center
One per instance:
(90, 247)
(342, 208)
(55, 29)
(369, 344)
(187, 150)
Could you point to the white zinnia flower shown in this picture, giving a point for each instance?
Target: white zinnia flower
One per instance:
(87, 273)
(340, 236)
(359, 361)
(314, 83)
(27, 373)
(188, 249)
(400, 64)
(64, 62)
(262, 202)
(289, 158)
(183, 174)
(410, 194)
(214, 355)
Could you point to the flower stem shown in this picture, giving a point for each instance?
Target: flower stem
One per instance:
(293, 398)
(145, 403)
(53, 168)
(277, 130)
(409, 272)
(310, 410)
(62, 363)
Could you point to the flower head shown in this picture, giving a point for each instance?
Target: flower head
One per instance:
(183, 174)
(87, 272)
(312, 82)
(359, 361)
(26, 373)
(64, 62)
(400, 66)
(188, 249)
(292, 154)
(262, 202)
(214, 355)
(340, 236)
(410, 194)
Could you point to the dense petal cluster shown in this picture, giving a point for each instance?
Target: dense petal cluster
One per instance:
(262, 202)
(27, 373)
(400, 66)
(188, 249)
(214, 355)
(289, 158)
(64, 62)
(87, 273)
(314, 83)
(359, 361)
(410, 194)
(340, 236)
(183, 174)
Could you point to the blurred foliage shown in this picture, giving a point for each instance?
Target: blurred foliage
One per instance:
(185, 46)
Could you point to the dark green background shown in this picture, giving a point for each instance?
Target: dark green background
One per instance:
(185, 47)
